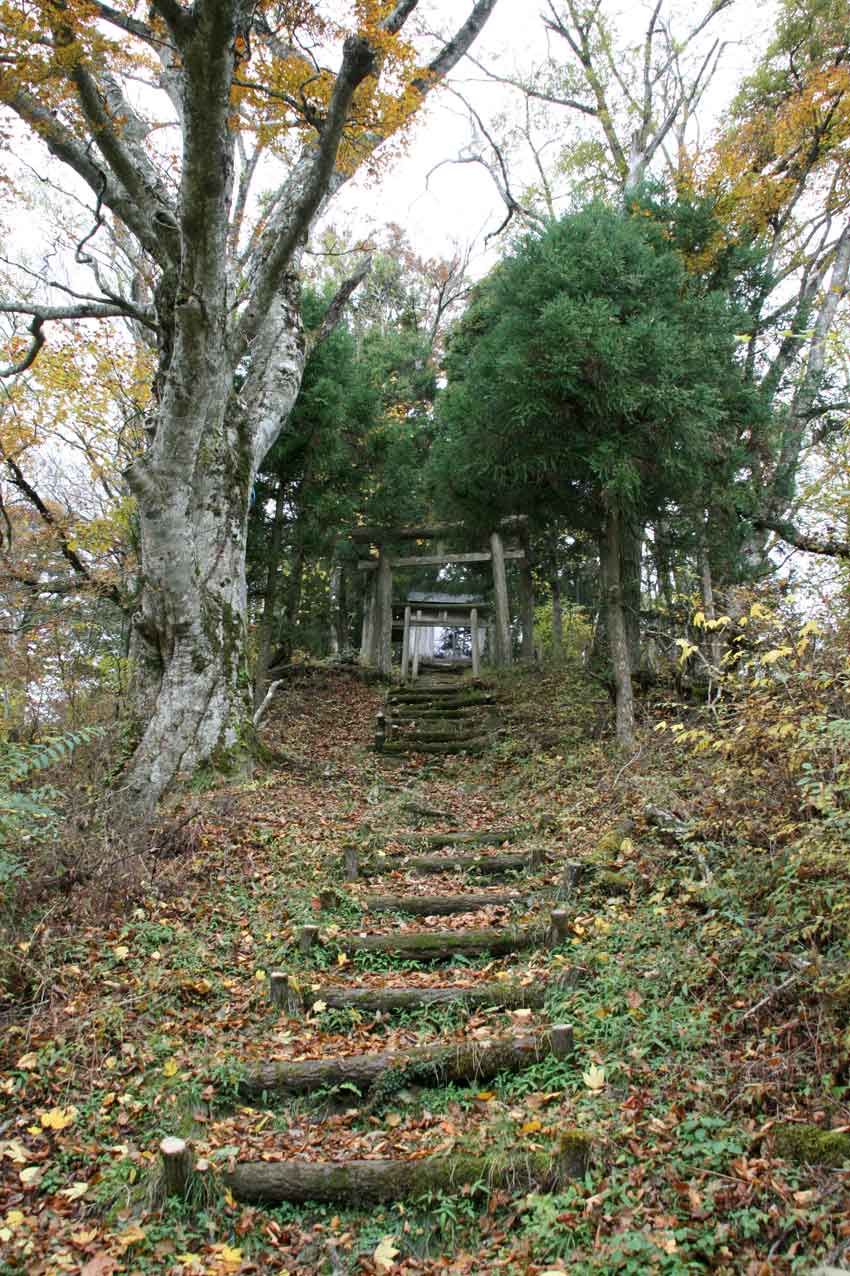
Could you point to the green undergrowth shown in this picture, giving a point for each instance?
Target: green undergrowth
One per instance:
(704, 976)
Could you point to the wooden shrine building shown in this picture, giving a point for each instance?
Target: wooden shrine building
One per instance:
(381, 613)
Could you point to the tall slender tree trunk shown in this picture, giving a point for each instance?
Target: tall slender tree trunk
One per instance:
(557, 620)
(293, 596)
(335, 591)
(611, 551)
(713, 644)
(265, 631)
(632, 563)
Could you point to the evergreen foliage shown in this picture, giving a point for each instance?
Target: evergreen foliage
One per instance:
(592, 370)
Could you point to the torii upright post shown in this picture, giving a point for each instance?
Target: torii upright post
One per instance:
(405, 645)
(476, 650)
(500, 591)
(370, 608)
(384, 616)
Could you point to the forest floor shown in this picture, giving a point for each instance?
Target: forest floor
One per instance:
(705, 994)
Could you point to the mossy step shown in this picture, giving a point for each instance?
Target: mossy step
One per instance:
(492, 865)
(442, 945)
(358, 1182)
(341, 997)
(438, 905)
(410, 744)
(431, 1065)
(464, 837)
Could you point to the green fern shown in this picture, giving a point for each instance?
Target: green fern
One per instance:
(21, 811)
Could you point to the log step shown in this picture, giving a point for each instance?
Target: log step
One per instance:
(442, 945)
(411, 744)
(459, 837)
(432, 1065)
(438, 905)
(463, 713)
(511, 996)
(410, 695)
(354, 1182)
(452, 700)
(489, 864)
(444, 736)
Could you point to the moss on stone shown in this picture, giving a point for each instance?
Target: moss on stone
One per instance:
(611, 883)
(573, 1154)
(810, 1145)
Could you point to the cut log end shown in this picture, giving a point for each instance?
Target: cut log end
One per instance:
(561, 918)
(283, 992)
(308, 937)
(562, 1040)
(176, 1165)
(352, 865)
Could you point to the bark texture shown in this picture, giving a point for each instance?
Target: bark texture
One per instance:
(220, 299)
(511, 996)
(355, 1182)
(426, 1065)
(438, 945)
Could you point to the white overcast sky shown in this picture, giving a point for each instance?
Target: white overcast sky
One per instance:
(459, 203)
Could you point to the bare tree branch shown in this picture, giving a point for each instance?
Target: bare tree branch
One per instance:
(64, 146)
(69, 554)
(133, 26)
(811, 542)
(452, 52)
(28, 359)
(333, 314)
(396, 20)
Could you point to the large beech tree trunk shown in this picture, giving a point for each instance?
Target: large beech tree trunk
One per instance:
(219, 297)
(192, 684)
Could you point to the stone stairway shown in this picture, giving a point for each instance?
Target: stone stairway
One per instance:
(458, 860)
(439, 714)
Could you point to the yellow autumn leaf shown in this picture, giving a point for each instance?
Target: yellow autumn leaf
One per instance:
(385, 1254)
(27, 1062)
(260, 976)
(121, 952)
(169, 1068)
(229, 1255)
(84, 1238)
(341, 959)
(486, 1095)
(75, 1191)
(594, 1078)
(58, 1118)
(531, 1127)
(131, 1236)
(189, 1260)
(14, 1219)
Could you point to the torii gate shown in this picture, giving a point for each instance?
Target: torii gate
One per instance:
(376, 644)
